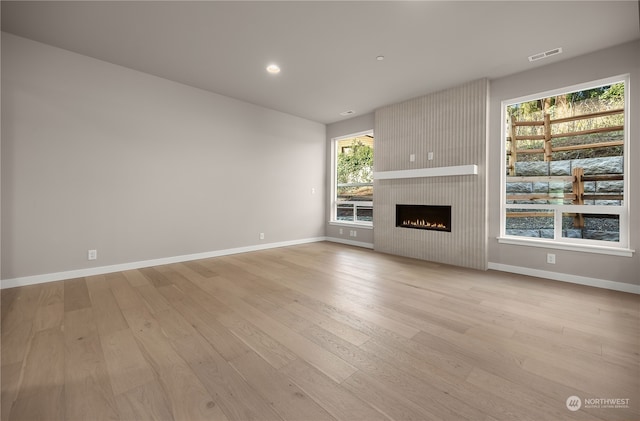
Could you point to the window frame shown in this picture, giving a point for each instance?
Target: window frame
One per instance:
(333, 220)
(619, 248)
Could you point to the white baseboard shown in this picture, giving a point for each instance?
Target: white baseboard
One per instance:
(349, 242)
(563, 277)
(79, 273)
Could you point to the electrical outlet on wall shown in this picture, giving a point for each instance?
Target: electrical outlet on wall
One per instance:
(551, 258)
(262, 235)
(92, 254)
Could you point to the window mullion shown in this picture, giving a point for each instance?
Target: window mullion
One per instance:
(557, 224)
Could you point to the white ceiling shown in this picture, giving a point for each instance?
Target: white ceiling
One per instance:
(327, 49)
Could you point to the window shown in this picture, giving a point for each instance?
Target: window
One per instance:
(352, 196)
(565, 180)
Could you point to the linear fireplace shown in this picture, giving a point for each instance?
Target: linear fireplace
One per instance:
(424, 217)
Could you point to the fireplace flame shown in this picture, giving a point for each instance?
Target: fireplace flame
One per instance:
(421, 223)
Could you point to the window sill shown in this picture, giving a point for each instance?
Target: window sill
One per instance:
(362, 225)
(585, 248)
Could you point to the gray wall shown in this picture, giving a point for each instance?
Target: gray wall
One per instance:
(97, 156)
(610, 62)
(344, 128)
(453, 125)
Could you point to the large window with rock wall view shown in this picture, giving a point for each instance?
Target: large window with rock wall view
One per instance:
(352, 193)
(565, 178)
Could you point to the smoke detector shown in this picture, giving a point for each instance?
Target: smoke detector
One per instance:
(545, 54)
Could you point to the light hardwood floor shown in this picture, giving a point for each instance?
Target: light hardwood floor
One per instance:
(316, 332)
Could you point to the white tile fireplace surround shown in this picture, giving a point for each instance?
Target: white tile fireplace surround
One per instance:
(451, 128)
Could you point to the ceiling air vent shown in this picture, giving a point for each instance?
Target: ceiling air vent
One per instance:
(347, 112)
(545, 54)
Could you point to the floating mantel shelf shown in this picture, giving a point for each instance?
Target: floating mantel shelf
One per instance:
(427, 172)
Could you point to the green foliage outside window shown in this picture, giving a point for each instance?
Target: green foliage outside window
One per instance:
(355, 164)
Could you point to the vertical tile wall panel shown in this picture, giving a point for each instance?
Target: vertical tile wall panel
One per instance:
(453, 125)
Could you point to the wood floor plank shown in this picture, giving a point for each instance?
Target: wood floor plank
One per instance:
(238, 400)
(185, 283)
(316, 331)
(153, 298)
(136, 278)
(188, 397)
(422, 393)
(500, 362)
(525, 397)
(234, 395)
(291, 402)
(155, 276)
(567, 319)
(50, 316)
(106, 312)
(346, 317)
(183, 337)
(444, 383)
(621, 356)
(388, 401)
(339, 329)
(564, 354)
(594, 386)
(316, 290)
(15, 341)
(88, 392)
(430, 315)
(50, 311)
(125, 363)
(126, 296)
(262, 344)
(386, 322)
(17, 323)
(565, 339)
(276, 309)
(462, 317)
(325, 361)
(51, 293)
(96, 282)
(218, 336)
(145, 402)
(76, 295)
(8, 297)
(11, 377)
(419, 358)
(200, 269)
(41, 393)
(188, 283)
(338, 401)
(171, 293)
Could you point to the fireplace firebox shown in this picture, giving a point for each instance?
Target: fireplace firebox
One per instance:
(424, 217)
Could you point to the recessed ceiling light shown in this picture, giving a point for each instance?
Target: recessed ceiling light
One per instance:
(380, 58)
(349, 112)
(273, 69)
